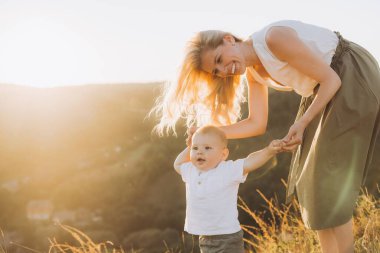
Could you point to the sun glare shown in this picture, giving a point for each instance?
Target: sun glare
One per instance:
(48, 43)
(42, 51)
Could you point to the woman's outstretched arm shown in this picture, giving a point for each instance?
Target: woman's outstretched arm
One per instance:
(256, 122)
(286, 45)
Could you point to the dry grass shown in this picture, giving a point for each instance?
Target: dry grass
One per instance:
(285, 232)
(86, 245)
(367, 224)
(2, 243)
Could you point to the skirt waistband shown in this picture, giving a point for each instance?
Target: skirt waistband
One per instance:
(342, 47)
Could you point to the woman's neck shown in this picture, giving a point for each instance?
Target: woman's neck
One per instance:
(251, 58)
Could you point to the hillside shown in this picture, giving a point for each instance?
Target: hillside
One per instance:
(85, 156)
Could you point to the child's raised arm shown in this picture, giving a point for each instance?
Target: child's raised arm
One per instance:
(183, 157)
(257, 159)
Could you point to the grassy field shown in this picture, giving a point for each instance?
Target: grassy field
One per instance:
(284, 232)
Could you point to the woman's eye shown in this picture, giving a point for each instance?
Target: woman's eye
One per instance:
(194, 148)
(207, 148)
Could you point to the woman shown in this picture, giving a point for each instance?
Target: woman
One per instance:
(336, 125)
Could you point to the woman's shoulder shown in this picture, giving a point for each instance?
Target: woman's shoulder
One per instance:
(295, 24)
(302, 29)
(259, 36)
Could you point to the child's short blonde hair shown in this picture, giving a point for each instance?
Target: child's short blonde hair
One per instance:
(209, 129)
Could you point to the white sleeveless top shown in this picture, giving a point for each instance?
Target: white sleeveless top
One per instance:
(320, 40)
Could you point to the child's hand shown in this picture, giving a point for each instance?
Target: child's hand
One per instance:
(190, 131)
(276, 146)
(188, 141)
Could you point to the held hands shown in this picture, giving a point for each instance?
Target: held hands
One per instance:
(289, 143)
(276, 146)
(294, 136)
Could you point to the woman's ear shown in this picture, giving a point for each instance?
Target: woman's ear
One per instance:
(229, 39)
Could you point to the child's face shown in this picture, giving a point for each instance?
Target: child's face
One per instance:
(207, 151)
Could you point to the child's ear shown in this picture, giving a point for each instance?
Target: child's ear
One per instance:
(229, 39)
(225, 153)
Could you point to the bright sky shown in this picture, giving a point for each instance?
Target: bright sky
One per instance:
(46, 43)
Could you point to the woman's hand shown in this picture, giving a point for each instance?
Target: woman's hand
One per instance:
(190, 131)
(294, 136)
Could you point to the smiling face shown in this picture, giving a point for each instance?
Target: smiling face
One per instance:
(225, 60)
(207, 151)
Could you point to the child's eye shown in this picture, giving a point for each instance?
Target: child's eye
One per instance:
(207, 148)
(194, 148)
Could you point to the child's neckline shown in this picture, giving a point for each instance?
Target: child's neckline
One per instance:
(200, 172)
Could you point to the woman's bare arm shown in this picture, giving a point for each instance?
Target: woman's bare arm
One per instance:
(256, 122)
(286, 45)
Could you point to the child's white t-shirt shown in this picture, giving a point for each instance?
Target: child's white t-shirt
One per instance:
(211, 198)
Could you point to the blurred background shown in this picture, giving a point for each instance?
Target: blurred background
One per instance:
(77, 80)
(84, 156)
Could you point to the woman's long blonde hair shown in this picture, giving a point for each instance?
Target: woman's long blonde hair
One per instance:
(199, 97)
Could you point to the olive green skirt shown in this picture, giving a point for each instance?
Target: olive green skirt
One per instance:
(329, 167)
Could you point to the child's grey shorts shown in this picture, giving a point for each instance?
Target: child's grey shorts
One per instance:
(229, 243)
